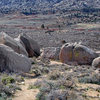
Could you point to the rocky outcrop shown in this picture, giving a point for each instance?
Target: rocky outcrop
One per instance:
(66, 53)
(51, 53)
(96, 62)
(15, 45)
(19, 41)
(84, 55)
(32, 47)
(13, 62)
(77, 53)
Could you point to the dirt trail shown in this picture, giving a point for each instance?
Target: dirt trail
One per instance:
(26, 94)
(30, 94)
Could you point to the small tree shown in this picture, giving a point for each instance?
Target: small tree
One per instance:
(42, 26)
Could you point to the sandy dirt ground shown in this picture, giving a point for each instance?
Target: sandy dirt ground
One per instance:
(26, 94)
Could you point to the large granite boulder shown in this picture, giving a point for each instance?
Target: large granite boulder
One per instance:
(51, 53)
(15, 45)
(66, 53)
(12, 61)
(32, 47)
(96, 62)
(84, 55)
(77, 53)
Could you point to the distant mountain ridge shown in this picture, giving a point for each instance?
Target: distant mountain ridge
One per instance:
(44, 5)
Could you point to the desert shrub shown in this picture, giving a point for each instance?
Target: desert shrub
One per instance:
(8, 80)
(39, 83)
(65, 84)
(7, 91)
(3, 96)
(45, 89)
(32, 86)
(39, 70)
(54, 75)
(8, 86)
(42, 26)
(45, 70)
(14, 87)
(94, 79)
(19, 79)
(98, 89)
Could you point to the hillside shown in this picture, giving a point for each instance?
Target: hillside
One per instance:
(36, 6)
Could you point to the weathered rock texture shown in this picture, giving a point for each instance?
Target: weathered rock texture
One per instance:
(12, 61)
(51, 53)
(96, 62)
(77, 53)
(32, 47)
(15, 45)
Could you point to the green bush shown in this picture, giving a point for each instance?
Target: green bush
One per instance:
(33, 87)
(8, 80)
(54, 75)
(94, 79)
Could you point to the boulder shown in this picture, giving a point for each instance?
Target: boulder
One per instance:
(66, 53)
(78, 53)
(12, 61)
(96, 62)
(32, 47)
(51, 53)
(15, 45)
(19, 41)
(98, 52)
(84, 55)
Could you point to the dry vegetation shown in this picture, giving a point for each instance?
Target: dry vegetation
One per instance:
(52, 80)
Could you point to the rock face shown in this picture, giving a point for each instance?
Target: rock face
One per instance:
(31, 46)
(15, 45)
(13, 62)
(96, 62)
(51, 53)
(19, 41)
(84, 55)
(77, 53)
(66, 53)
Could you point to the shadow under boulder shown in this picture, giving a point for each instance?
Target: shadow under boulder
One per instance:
(32, 47)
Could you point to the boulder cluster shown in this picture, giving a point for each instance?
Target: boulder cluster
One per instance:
(72, 53)
(14, 53)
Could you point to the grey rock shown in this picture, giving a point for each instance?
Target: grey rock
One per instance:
(15, 45)
(32, 47)
(51, 53)
(12, 61)
(84, 55)
(96, 62)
